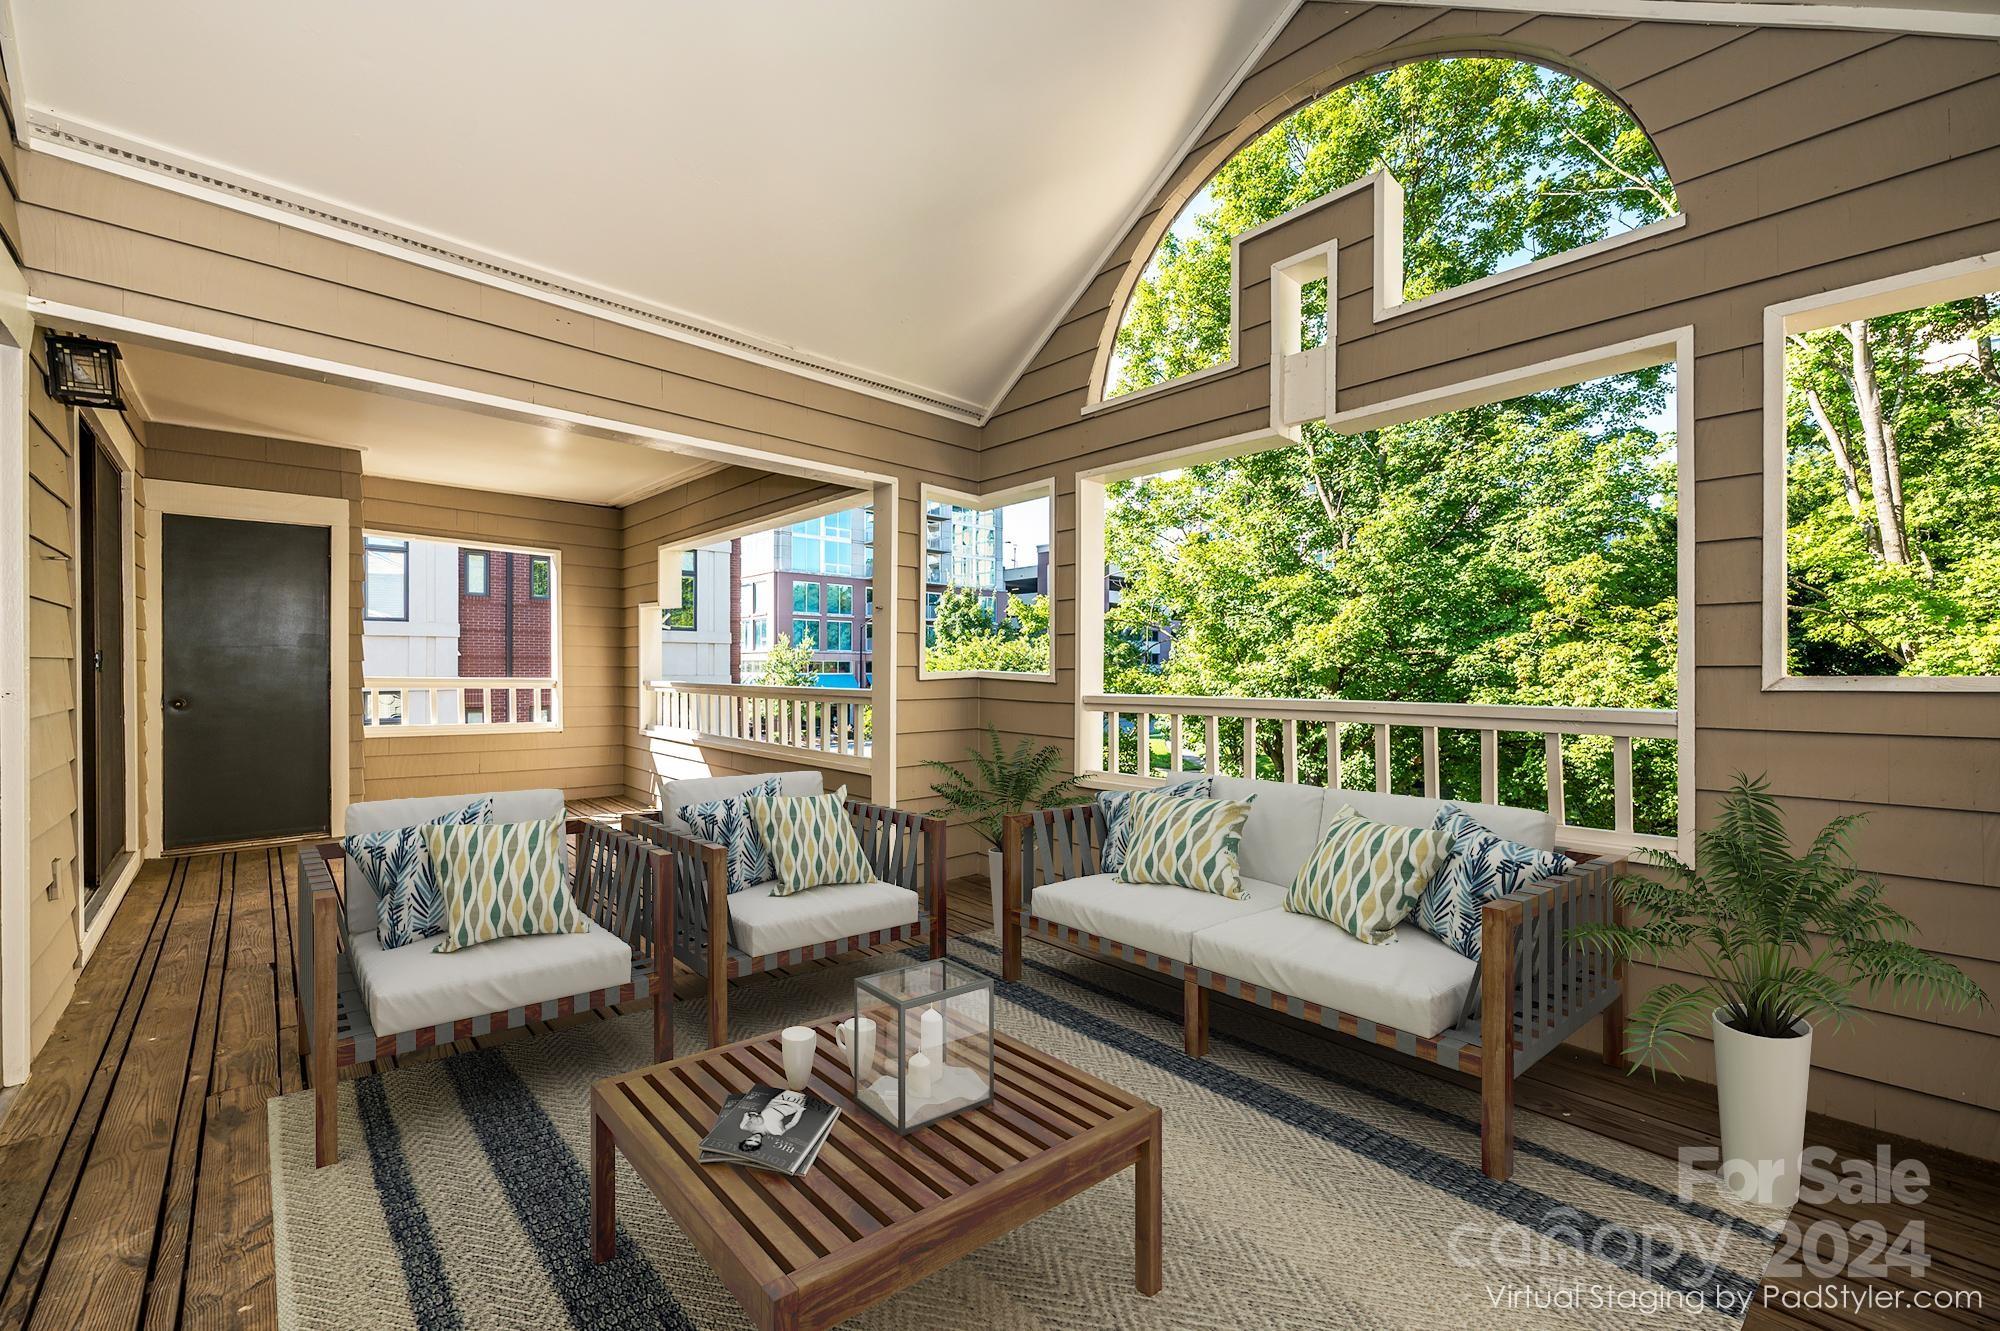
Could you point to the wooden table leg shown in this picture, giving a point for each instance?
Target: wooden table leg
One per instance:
(603, 1192)
(1147, 1238)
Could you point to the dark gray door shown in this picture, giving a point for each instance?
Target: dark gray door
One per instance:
(244, 673)
(103, 619)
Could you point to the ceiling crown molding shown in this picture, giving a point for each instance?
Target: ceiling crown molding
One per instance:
(135, 159)
(1940, 20)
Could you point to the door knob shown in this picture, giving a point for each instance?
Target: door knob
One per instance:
(178, 704)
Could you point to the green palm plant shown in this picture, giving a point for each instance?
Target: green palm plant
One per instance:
(1031, 777)
(1779, 937)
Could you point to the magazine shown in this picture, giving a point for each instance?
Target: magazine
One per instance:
(770, 1128)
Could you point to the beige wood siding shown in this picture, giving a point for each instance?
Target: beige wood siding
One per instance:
(586, 758)
(1805, 160)
(107, 243)
(55, 823)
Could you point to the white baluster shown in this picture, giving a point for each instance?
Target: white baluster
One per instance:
(1552, 746)
(1431, 775)
(1211, 755)
(1382, 759)
(1621, 783)
(1289, 750)
(1489, 766)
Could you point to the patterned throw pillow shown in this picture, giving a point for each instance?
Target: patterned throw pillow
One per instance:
(727, 823)
(398, 867)
(502, 880)
(1116, 804)
(1479, 866)
(1365, 877)
(1185, 842)
(811, 840)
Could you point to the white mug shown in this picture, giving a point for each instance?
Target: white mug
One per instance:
(859, 1048)
(798, 1044)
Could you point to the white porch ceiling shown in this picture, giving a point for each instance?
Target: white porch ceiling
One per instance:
(901, 188)
(402, 438)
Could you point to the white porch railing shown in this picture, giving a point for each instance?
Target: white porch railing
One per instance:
(835, 726)
(1193, 731)
(413, 705)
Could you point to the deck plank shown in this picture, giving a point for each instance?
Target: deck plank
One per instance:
(134, 1165)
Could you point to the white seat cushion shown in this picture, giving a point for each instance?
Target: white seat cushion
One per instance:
(1415, 983)
(764, 923)
(509, 806)
(1161, 919)
(674, 795)
(412, 988)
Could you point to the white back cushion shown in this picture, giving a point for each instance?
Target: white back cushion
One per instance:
(700, 789)
(1282, 830)
(1529, 827)
(509, 806)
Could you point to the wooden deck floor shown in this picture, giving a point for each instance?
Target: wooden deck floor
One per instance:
(134, 1188)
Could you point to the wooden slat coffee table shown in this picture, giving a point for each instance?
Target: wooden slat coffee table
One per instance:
(877, 1212)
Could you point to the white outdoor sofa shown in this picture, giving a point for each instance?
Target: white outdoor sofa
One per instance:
(360, 1001)
(722, 935)
(1494, 1018)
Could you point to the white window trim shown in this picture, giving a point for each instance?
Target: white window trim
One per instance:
(388, 734)
(1042, 489)
(1864, 300)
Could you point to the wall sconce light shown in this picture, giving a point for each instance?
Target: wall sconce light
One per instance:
(83, 372)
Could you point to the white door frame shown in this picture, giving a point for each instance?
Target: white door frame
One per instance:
(16, 1028)
(116, 436)
(220, 501)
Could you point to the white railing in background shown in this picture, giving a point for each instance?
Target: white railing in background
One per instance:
(834, 725)
(404, 706)
(1193, 742)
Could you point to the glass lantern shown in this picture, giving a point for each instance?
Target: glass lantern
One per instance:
(920, 1043)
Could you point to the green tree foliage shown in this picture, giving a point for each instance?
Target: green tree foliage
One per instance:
(1893, 447)
(964, 635)
(789, 665)
(1517, 553)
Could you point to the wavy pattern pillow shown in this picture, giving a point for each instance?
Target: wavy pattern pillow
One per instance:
(1118, 827)
(398, 866)
(811, 839)
(1365, 877)
(1479, 866)
(502, 880)
(1185, 842)
(727, 823)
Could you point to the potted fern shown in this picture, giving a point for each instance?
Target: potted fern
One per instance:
(995, 783)
(1781, 941)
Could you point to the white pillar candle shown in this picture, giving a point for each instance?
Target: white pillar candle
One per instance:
(931, 1034)
(920, 1076)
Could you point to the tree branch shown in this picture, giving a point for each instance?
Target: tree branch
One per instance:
(1665, 203)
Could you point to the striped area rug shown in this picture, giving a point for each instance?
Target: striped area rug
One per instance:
(1306, 1186)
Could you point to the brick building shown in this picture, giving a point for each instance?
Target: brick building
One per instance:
(506, 622)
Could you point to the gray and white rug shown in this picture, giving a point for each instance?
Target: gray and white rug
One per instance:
(1306, 1186)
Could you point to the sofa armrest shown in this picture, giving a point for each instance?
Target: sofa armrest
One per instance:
(700, 877)
(1046, 846)
(907, 849)
(1536, 987)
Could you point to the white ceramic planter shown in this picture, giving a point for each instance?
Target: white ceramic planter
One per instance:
(993, 878)
(1760, 1084)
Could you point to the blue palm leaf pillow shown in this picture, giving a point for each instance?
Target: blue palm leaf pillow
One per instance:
(1116, 806)
(1479, 866)
(727, 823)
(408, 905)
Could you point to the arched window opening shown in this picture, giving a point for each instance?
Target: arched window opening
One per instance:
(1501, 162)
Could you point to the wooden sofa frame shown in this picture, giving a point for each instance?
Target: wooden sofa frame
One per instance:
(903, 848)
(1534, 988)
(615, 878)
